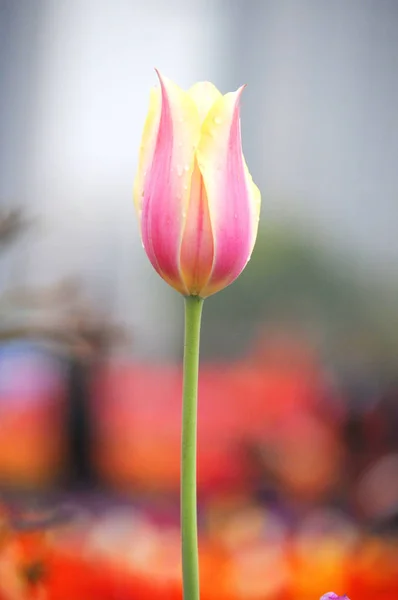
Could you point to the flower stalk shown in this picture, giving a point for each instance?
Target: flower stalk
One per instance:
(189, 528)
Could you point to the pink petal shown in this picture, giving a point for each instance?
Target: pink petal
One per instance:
(197, 248)
(166, 188)
(233, 199)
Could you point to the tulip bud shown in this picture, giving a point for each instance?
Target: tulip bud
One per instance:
(197, 205)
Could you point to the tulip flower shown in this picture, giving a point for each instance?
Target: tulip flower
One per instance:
(198, 211)
(333, 596)
(197, 204)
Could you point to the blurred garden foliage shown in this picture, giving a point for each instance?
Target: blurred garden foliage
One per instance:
(292, 281)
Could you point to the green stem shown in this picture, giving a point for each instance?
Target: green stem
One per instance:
(189, 528)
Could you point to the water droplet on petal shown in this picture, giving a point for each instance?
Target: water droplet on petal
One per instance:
(217, 120)
(186, 167)
(179, 170)
(235, 215)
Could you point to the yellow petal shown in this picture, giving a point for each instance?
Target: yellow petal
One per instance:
(147, 147)
(255, 196)
(204, 95)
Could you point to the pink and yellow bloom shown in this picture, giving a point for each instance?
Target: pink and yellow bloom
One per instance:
(197, 204)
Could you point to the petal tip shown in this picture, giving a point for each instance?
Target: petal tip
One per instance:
(240, 91)
(163, 80)
(159, 75)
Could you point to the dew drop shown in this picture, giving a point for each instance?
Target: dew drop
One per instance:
(186, 168)
(180, 170)
(235, 215)
(217, 120)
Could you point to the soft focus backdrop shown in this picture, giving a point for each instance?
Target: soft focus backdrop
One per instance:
(298, 413)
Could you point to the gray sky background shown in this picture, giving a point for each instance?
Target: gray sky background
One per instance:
(325, 75)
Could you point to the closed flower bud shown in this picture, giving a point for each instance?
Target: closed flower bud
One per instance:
(197, 205)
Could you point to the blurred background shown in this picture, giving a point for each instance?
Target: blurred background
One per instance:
(298, 411)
